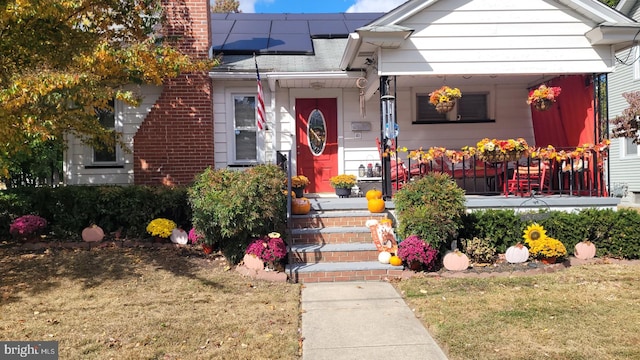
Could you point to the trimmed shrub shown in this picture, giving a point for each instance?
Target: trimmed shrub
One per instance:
(431, 208)
(230, 208)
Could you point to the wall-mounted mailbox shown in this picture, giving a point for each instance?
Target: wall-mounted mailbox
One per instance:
(361, 126)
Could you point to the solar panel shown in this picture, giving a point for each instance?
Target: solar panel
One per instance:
(246, 33)
(327, 29)
(245, 43)
(292, 43)
(251, 27)
(290, 27)
(221, 26)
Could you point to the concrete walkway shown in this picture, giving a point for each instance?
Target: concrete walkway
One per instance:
(361, 320)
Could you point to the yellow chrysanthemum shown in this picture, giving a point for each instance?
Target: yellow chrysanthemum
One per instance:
(534, 232)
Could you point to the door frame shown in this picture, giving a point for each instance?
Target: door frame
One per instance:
(336, 93)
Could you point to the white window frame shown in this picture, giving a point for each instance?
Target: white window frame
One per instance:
(118, 125)
(231, 123)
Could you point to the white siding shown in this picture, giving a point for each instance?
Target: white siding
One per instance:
(623, 169)
(78, 157)
(480, 36)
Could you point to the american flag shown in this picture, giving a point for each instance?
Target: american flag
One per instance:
(261, 121)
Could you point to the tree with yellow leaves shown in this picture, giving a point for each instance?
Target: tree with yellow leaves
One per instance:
(63, 59)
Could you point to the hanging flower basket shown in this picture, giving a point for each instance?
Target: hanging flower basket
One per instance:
(543, 97)
(445, 107)
(543, 105)
(444, 99)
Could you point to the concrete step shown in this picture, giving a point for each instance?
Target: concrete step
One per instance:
(342, 271)
(332, 235)
(317, 253)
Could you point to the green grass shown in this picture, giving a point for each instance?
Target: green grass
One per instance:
(586, 312)
(145, 304)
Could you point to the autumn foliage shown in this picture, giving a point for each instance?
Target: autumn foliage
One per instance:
(62, 59)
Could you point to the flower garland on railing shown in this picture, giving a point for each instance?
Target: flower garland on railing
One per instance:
(515, 145)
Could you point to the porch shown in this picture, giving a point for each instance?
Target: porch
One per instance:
(561, 172)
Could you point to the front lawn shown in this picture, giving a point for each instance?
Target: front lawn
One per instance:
(145, 304)
(583, 312)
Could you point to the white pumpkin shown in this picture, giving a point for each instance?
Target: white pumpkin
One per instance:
(384, 257)
(517, 254)
(179, 236)
(93, 233)
(585, 250)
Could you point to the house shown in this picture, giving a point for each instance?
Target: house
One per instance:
(330, 80)
(624, 156)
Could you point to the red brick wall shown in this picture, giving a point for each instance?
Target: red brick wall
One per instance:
(175, 142)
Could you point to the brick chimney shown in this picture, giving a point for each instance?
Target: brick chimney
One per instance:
(175, 142)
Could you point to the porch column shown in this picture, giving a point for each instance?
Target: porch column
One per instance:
(387, 115)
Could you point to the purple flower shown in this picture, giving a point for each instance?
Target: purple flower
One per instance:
(414, 248)
(267, 249)
(27, 225)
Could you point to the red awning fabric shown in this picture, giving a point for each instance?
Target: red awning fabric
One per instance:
(569, 122)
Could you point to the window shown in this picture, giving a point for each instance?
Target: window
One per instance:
(471, 107)
(245, 129)
(107, 118)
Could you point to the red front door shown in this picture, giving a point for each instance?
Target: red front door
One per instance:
(317, 142)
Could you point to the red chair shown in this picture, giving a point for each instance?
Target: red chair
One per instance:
(526, 179)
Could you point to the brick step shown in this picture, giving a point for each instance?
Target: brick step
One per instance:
(331, 235)
(317, 253)
(326, 219)
(342, 271)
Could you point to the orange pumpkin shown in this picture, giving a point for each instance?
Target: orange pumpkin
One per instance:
(395, 261)
(375, 205)
(373, 194)
(455, 261)
(300, 206)
(92, 233)
(585, 250)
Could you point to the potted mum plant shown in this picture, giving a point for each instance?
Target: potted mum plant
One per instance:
(298, 184)
(417, 253)
(444, 99)
(160, 229)
(28, 227)
(543, 97)
(270, 249)
(343, 184)
(548, 250)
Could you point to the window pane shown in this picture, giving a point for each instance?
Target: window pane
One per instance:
(316, 132)
(107, 119)
(630, 147)
(427, 112)
(246, 148)
(245, 111)
(472, 107)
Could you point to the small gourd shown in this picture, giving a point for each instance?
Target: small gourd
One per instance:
(93, 233)
(387, 222)
(517, 253)
(384, 257)
(585, 250)
(373, 194)
(455, 261)
(395, 261)
(376, 205)
(179, 236)
(300, 206)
